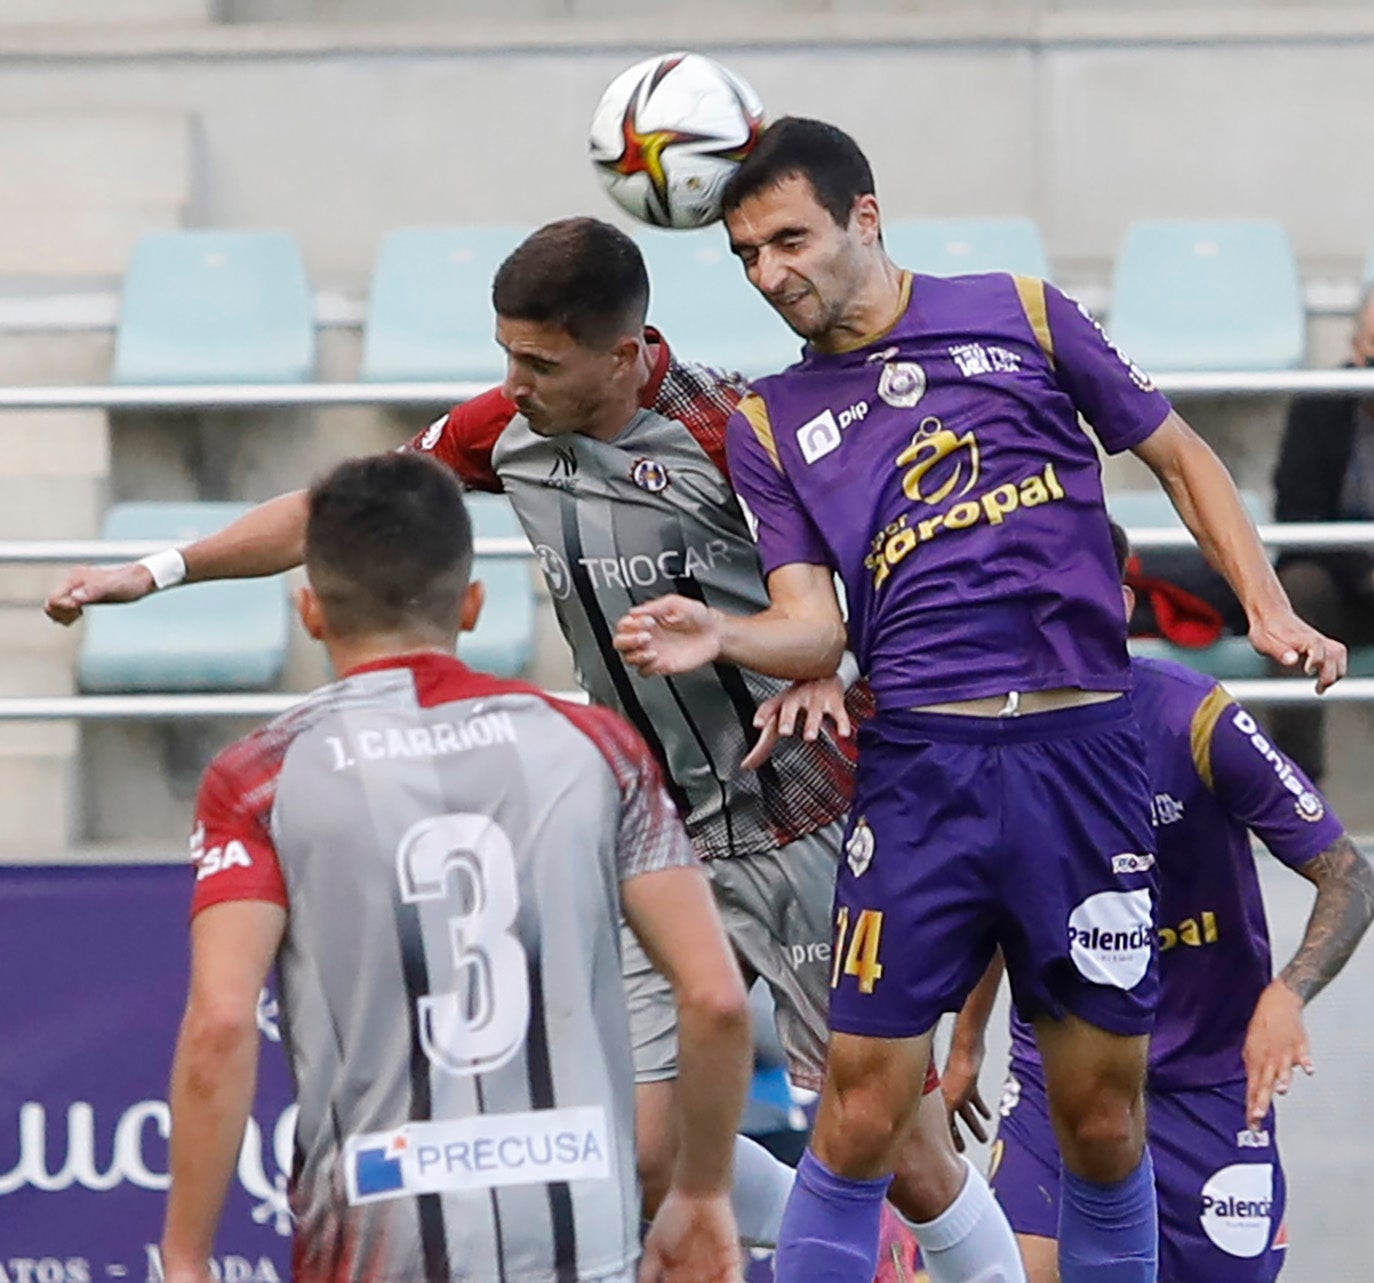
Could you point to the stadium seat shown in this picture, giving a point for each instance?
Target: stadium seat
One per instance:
(1214, 295)
(215, 307)
(503, 641)
(956, 246)
(706, 307)
(1231, 658)
(223, 636)
(429, 315)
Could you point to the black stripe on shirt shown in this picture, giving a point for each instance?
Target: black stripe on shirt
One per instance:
(433, 1240)
(615, 666)
(542, 1096)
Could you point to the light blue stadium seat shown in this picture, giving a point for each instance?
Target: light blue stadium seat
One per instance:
(1231, 658)
(706, 307)
(229, 636)
(503, 641)
(429, 314)
(957, 246)
(215, 307)
(1208, 295)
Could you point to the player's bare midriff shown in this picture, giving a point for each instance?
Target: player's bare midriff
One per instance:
(1021, 703)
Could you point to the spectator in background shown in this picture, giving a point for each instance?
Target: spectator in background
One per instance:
(1326, 473)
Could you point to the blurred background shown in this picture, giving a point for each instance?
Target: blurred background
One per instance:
(351, 171)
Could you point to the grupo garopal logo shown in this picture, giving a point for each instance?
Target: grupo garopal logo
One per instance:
(60, 1151)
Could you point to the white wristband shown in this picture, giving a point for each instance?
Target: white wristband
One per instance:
(168, 568)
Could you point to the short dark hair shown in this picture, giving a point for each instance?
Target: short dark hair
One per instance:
(579, 274)
(388, 545)
(795, 146)
(1121, 545)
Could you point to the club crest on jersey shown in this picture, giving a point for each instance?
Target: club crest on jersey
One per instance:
(902, 384)
(858, 850)
(649, 475)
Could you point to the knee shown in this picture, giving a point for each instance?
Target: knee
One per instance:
(864, 1119)
(1101, 1133)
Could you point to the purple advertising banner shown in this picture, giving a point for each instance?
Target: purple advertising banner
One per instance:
(93, 971)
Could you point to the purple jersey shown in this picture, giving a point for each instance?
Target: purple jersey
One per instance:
(942, 470)
(1216, 778)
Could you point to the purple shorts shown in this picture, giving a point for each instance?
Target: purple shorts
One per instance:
(969, 832)
(1221, 1186)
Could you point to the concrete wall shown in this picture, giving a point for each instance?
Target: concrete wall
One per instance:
(1083, 116)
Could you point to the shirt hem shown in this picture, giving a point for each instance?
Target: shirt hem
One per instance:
(909, 697)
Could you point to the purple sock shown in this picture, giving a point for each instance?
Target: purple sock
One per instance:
(1109, 1233)
(830, 1228)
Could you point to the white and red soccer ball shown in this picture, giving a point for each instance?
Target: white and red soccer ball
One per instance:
(668, 134)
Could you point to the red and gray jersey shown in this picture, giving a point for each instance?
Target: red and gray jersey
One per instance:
(449, 849)
(615, 523)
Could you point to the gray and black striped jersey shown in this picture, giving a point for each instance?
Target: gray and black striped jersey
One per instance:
(449, 849)
(618, 522)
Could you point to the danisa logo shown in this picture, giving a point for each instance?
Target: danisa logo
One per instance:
(1110, 937)
(1307, 803)
(1238, 1208)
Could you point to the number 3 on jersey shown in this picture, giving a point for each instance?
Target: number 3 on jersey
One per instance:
(861, 959)
(467, 861)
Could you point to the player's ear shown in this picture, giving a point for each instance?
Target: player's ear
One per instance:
(1128, 596)
(311, 612)
(474, 598)
(866, 219)
(625, 353)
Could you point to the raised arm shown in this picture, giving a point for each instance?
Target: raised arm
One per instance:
(264, 541)
(1206, 498)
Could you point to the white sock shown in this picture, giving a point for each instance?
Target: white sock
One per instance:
(760, 1192)
(970, 1241)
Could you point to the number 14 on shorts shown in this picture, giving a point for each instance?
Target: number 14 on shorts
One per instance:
(856, 952)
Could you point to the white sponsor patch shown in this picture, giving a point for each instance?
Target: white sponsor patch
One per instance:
(1130, 862)
(1253, 1138)
(433, 433)
(1238, 1208)
(478, 1153)
(1110, 936)
(819, 436)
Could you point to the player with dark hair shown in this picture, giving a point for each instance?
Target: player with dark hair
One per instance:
(1229, 1035)
(437, 862)
(1003, 772)
(611, 450)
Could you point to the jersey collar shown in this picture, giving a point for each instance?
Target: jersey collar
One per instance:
(651, 389)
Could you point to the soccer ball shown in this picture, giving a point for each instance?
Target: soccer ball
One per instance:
(667, 135)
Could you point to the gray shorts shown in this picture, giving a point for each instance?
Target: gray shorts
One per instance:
(776, 908)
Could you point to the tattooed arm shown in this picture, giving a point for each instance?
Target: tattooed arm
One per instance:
(1276, 1040)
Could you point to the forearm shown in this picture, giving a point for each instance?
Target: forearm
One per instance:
(715, 1053)
(797, 648)
(1340, 915)
(214, 1076)
(1206, 498)
(264, 541)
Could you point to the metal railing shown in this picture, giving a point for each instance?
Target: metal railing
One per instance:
(236, 396)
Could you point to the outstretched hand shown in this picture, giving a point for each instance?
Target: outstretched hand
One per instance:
(1289, 640)
(669, 635)
(91, 585)
(812, 702)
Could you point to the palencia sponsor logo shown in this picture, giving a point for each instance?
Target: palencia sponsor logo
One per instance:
(129, 1162)
(1238, 1207)
(1110, 937)
(1307, 802)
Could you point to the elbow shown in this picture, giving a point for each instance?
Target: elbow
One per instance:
(720, 1010)
(215, 1036)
